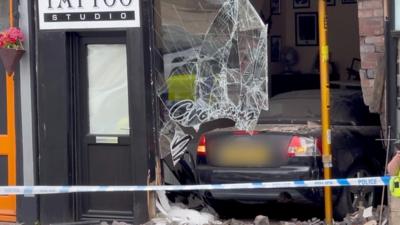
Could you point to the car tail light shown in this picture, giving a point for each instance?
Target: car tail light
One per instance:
(303, 146)
(201, 148)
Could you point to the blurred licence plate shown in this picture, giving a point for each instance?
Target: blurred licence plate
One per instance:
(244, 155)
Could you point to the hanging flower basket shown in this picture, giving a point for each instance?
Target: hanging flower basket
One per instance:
(10, 58)
(11, 49)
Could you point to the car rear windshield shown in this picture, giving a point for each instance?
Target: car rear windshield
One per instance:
(345, 109)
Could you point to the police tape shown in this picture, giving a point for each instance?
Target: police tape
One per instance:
(41, 190)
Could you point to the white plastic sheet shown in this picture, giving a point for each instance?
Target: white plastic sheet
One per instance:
(108, 93)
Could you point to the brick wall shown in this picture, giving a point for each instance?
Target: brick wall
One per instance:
(372, 48)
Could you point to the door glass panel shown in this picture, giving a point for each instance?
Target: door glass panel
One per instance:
(108, 90)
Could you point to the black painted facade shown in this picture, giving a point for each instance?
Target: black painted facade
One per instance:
(55, 55)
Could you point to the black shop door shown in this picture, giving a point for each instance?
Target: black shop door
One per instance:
(104, 154)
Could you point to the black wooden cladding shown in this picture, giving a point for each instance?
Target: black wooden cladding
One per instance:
(56, 114)
(53, 125)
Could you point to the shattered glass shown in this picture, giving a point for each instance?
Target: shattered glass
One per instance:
(215, 66)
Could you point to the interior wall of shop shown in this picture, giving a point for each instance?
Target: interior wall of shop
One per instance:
(343, 34)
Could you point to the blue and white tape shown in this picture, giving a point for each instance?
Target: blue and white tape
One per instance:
(40, 190)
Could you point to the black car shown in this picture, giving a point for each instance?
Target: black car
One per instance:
(286, 146)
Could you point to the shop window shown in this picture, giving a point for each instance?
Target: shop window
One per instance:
(108, 92)
(214, 56)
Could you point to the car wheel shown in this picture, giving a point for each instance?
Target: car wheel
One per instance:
(352, 198)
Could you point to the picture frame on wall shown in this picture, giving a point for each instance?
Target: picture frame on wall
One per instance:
(275, 7)
(330, 2)
(301, 4)
(349, 1)
(275, 46)
(306, 28)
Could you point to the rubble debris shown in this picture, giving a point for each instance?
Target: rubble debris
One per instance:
(367, 212)
(119, 223)
(313, 221)
(367, 216)
(179, 215)
(261, 220)
(235, 222)
(372, 222)
(189, 216)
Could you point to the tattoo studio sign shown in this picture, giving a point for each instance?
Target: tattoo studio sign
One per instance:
(88, 14)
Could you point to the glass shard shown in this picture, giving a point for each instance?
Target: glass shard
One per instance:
(215, 72)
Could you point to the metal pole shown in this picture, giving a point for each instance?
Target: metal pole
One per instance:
(11, 16)
(10, 86)
(325, 105)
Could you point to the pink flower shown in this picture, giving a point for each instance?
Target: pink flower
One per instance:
(1, 40)
(11, 38)
(16, 34)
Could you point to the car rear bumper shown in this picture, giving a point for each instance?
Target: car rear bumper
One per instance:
(217, 175)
